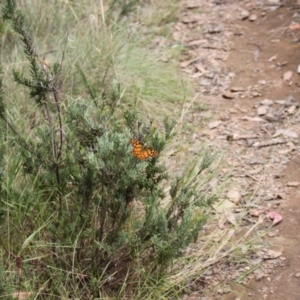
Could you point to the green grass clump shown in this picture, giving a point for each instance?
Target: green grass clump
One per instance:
(108, 49)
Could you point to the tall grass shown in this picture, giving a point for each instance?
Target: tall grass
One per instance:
(108, 51)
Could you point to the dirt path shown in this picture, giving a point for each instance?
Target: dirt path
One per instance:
(242, 69)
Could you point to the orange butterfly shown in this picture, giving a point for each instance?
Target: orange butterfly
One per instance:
(142, 152)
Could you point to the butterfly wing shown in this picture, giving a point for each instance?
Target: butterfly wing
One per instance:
(138, 148)
(152, 152)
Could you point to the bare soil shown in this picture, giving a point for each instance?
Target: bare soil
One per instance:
(237, 62)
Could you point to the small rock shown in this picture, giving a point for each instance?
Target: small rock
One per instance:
(293, 184)
(244, 14)
(267, 102)
(228, 95)
(262, 110)
(255, 94)
(237, 89)
(297, 275)
(287, 76)
(280, 102)
(272, 254)
(290, 133)
(234, 196)
(214, 28)
(214, 124)
(298, 69)
(231, 74)
(253, 17)
(291, 109)
(259, 275)
(270, 117)
(262, 82)
(254, 213)
(220, 291)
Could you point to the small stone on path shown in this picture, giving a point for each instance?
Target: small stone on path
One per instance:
(287, 76)
(228, 95)
(237, 89)
(255, 94)
(259, 275)
(262, 110)
(290, 133)
(267, 102)
(291, 109)
(234, 196)
(253, 17)
(244, 14)
(293, 184)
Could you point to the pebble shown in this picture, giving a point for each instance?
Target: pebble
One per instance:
(255, 94)
(267, 102)
(280, 102)
(228, 95)
(270, 117)
(253, 17)
(298, 69)
(262, 110)
(254, 213)
(262, 82)
(291, 109)
(259, 275)
(293, 184)
(297, 275)
(287, 76)
(237, 89)
(290, 133)
(244, 14)
(234, 196)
